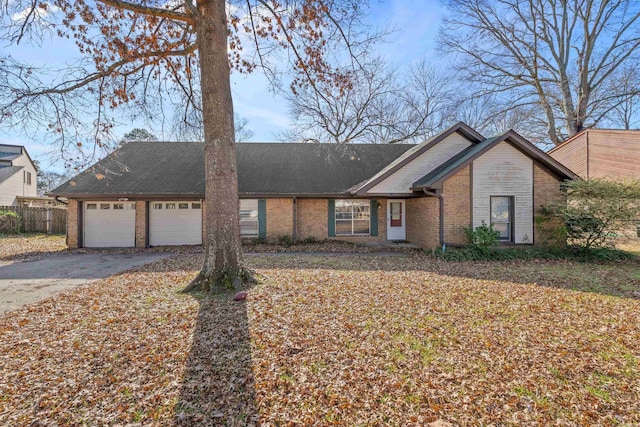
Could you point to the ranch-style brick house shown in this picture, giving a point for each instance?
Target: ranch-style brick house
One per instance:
(152, 193)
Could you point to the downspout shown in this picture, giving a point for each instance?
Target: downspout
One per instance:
(441, 231)
(295, 220)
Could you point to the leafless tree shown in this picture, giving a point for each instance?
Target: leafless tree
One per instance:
(556, 55)
(144, 57)
(626, 114)
(381, 105)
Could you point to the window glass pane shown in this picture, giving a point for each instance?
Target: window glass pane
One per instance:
(157, 206)
(504, 228)
(361, 227)
(352, 216)
(105, 206)
(118, 206)
(183, 205)
(344, 215)
(249, 209)
(500, 209)
(249, 228)
(171, 206)
(343, 227)
(195, 205)
(91, 206)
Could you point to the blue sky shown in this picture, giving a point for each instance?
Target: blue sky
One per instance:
(416, 25)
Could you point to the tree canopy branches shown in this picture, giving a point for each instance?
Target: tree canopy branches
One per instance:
(562, 54)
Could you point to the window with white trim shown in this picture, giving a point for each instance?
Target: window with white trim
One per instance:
(91, 206)
(502, 216)
(353, 217)
(249, 224)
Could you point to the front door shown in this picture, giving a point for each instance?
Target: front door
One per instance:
(396, 220)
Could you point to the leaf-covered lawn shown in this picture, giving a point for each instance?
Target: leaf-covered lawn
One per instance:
(29, 245)
(342, 340)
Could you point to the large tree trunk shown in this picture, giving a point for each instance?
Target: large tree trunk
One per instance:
(223, 253)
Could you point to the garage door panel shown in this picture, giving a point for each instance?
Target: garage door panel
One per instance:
(175, 223)
(109, 225)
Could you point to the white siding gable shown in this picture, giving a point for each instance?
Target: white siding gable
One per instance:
(402, 180)
(504, 171)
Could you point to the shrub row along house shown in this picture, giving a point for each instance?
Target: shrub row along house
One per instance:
(152, 193)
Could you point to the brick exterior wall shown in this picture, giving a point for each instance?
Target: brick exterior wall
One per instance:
(457, 206)
(279, 218)
(313, 222)
(141, 224)
(423, 224)
(72, 224)
(546, 190)
(312, 219)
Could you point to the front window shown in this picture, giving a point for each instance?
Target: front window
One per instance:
(501, 216)
(353, 217)
(249, 218)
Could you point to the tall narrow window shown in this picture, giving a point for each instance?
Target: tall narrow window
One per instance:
(502, 216)
(353, 217)
(249, 218)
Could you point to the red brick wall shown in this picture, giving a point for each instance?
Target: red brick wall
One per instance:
(141, 224)
(546, 190)
(72, 224)
(279, 218)
(423, 225)
(457, 206)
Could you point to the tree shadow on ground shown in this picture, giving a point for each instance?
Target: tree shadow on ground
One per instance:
(620, 279)
(218, 385)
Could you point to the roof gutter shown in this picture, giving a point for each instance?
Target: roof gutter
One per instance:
(441, 199)
(57, 199)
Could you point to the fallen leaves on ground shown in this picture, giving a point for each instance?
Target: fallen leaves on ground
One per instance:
(333, 340)
(26, 246)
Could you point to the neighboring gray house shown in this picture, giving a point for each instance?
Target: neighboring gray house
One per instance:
(17, 175)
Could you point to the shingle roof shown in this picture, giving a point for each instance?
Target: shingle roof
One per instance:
(177, 168)
(9, 156)
(8, 172)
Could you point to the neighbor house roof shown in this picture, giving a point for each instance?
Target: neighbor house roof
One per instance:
(177, 169)
(8, 172)
(9, 156)
(435, 178)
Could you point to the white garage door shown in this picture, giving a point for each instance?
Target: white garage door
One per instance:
(175, 223)
(109, 224)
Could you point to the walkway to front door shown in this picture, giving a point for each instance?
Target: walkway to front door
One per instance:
(396, 220)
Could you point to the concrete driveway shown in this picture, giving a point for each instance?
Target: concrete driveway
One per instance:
(30, 281)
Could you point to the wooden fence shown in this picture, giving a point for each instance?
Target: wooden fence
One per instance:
(37, 219)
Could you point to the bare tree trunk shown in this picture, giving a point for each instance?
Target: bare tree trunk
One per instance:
(223, 253)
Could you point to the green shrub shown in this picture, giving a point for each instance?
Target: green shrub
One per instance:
(575, 253)
(310, 239)
(483, 237)
(9, 222)
(594, 210)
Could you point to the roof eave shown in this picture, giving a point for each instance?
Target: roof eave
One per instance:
(465, 130)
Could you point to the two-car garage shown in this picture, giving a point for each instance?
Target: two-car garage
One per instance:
(113, 223)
